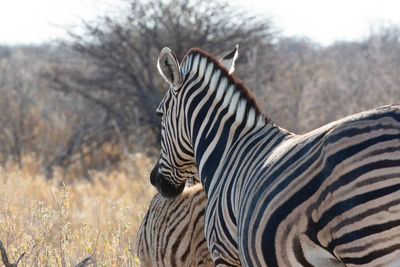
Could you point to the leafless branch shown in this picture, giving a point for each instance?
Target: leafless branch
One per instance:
(86, 262)
(4, 257)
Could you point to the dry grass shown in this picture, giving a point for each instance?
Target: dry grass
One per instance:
(60, 224)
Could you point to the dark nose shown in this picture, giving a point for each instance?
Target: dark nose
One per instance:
(163, 186)
(153, 175)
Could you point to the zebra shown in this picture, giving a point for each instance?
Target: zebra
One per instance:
(329, 197)
(172, 231)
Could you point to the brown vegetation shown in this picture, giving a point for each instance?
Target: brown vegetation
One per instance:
(57, 224)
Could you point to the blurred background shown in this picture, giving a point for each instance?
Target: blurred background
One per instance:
(79, 84)
(79, 87)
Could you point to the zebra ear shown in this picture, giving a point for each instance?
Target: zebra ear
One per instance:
(168, 67)
(228, 61)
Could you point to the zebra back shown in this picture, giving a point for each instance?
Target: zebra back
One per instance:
(172, 231)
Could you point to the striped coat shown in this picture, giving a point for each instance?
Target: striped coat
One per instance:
(330, 197)
(172, 231)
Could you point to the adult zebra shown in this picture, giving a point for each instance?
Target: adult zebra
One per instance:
(325, 198)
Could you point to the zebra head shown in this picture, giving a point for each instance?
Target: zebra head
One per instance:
(176, 162)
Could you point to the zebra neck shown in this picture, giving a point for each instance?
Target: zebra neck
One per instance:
(213, 94)
(220, 112)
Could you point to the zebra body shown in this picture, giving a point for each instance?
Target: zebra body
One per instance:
(172, 231)
(329, 197)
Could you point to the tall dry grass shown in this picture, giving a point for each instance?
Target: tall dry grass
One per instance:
(58, 223)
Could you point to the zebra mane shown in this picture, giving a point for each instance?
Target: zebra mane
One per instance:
(245, 93)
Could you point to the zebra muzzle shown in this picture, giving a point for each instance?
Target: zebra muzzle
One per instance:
(163, 185)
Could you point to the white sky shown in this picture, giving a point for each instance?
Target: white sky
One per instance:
(326, 21)
(36, 21)
(323, 21)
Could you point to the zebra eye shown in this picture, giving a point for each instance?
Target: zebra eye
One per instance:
(160, 110)
(159, 113)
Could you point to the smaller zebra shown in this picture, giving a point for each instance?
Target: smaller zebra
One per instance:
(172, 231)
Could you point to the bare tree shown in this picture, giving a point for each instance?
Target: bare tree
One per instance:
(113, 65)
(312, 85)
(5, 259)
(17, 105)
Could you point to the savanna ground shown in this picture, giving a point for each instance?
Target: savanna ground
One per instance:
(59, 224)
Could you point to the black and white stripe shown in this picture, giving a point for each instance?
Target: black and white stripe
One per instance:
(329, 197)
(172, 231)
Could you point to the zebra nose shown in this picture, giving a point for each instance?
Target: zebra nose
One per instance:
(153, 175)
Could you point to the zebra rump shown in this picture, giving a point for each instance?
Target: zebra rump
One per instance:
(172, 231)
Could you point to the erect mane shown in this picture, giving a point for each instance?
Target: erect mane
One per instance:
(245, 93)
